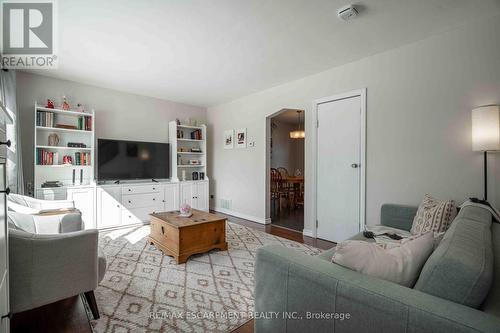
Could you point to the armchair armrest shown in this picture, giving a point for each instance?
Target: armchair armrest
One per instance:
(47, 268)
(397, 216)
(48, 224)
(40, 205)
(289, 283)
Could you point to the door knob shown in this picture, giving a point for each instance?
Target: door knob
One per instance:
(355, 165)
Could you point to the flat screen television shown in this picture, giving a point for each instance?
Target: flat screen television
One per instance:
(126, 160)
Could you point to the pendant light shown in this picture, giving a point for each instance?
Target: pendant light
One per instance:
(299, 133)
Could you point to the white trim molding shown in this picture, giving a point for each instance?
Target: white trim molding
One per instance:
(311, 196)
(307, 232)
(242, 216)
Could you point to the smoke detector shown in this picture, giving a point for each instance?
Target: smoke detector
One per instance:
(347, 13)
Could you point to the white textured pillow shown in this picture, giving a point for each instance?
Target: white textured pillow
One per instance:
(433, 215)
(397, 263)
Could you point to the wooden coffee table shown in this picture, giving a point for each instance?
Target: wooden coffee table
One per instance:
(181, 237)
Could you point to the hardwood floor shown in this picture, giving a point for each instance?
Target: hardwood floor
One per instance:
(66, 316)
(69, 315)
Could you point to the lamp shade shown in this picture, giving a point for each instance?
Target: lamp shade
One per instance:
(486, 128)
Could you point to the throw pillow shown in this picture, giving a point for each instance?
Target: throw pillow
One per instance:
(433, 215)
(399, 264)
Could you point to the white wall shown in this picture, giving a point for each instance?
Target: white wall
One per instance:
(419, 99)
(118, 115)
(286, 152)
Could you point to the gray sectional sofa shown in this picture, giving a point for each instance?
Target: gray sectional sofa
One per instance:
(458, 289)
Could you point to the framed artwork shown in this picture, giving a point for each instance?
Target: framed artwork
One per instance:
(241, 138)
(228, 139)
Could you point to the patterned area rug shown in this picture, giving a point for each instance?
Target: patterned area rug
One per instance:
(145, 291)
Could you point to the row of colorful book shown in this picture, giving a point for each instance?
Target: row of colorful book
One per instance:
(196, 135)
(82, 158)
(45, 119)
(44, 157)
(85, 123)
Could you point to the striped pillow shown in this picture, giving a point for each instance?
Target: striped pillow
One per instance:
(433, 215)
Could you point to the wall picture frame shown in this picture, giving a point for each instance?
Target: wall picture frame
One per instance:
(241, 138)
(228, 139)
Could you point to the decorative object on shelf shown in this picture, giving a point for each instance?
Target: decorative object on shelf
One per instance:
(196, 150)
(185, 210)
(202, 175)
(184, 175)
(241, 138)
(53, 139)
(486, 135)
(66, 126)
(299, 133)
(50, 104)
(67, 160)
(194, 162)
(177, 121)
(65, 105)
(297, 173)
(80, 108)
(52, 183)
(180, 134)
(228, 139)
(77, 145)
(195, 175)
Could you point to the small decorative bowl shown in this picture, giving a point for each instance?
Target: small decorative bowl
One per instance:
(185, 210)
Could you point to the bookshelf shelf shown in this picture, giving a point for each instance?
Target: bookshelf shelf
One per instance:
(57, 129)
(191, 140)
(190, 166)
(64, 112)
(189, 153)
(63, 148)
(190, 127)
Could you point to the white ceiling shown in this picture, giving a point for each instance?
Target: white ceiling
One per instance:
(208, 52)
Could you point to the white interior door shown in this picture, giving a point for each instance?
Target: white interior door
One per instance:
(339, 168)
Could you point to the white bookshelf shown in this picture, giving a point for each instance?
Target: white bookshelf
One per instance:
(181, 151)
(57, 171)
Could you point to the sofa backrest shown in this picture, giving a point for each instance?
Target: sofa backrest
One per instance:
(461, 267)
(492, 303)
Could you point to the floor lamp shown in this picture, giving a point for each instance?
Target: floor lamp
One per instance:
(486, 135)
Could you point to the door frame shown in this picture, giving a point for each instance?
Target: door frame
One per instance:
(314, 142)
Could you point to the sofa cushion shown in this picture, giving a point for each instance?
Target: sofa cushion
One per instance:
(433, 215)
(399, 263)
(461, 268)
(492, 303)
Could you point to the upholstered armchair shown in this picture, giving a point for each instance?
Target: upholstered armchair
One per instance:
(52, 258)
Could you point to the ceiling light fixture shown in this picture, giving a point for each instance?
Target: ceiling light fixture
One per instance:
(299, 133)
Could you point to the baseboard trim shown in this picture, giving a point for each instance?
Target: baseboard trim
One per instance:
(241, 216)
(307, 232)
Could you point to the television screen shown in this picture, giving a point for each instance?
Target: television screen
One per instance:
(122, 160)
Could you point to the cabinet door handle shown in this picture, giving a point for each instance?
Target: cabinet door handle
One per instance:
(129, 201)
(6, 191)
(117, 206)
(129, 190)
(8, 143)
(154, 199)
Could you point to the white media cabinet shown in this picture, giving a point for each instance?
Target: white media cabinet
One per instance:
(114, 205)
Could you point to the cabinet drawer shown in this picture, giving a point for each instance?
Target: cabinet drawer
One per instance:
(142, 200)
(138, 189)
(139, 215)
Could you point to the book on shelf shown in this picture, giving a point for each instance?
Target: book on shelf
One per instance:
(45, 119)
(45, 157)
(82, 158)
(196, 135)
(85, 123)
